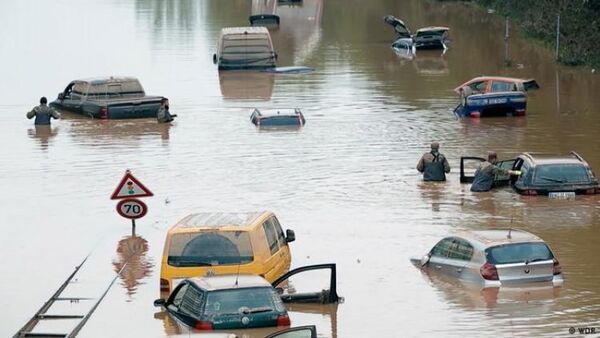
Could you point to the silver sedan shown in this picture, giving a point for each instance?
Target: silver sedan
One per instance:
(494, 258)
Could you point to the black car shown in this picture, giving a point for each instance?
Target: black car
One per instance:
(555, 176)
(424, 38)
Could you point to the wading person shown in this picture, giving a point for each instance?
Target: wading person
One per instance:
(43, 113)
(433, 165)
(164, 116)
(486, 173)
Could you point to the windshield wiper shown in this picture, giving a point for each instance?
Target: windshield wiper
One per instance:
(552, 179)
(189, 263)
(538, 259)
(260, 309)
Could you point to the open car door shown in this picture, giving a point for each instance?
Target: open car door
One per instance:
(530, 84)
(309, 331)
(502, 179)
(292, 292)
(468, 165)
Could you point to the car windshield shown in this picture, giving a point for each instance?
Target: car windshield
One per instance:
(560, 173)
(210, 248)
(243, 301)
(518, 252)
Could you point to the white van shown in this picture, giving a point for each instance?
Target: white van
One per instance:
(245, 48)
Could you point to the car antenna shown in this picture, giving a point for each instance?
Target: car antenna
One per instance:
(237, 275)
(509, 231)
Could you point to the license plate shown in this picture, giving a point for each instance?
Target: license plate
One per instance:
(497, 101)
(562, 194)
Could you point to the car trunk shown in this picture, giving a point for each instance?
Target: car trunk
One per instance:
(541, 271)
(398, 25)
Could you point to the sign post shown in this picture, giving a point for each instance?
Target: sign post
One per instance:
(128, 206)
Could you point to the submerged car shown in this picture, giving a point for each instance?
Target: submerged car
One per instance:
(266, 20)
(493, 96)
(277, 119)
(114, 97)
(235, 301)
(225, 243)
(424, 38)
(555, 176)
(245, 48)
(493, 258)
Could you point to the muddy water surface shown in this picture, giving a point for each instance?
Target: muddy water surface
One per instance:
(345, 183)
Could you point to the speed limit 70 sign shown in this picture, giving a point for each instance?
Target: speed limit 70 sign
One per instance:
(132, 208)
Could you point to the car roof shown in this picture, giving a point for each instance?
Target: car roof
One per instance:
(545, 158)
(497, 78)
(244, 30)
(493, 237)
(230, 281)
(106, 79)
(236, 221)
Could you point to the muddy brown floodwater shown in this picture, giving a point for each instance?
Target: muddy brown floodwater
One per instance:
(345, 183)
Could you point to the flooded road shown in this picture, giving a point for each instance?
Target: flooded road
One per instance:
(345, 183)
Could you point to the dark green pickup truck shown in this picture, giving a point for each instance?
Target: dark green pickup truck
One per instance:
(108, 98)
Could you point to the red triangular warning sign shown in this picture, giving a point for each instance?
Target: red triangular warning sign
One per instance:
(130, 187)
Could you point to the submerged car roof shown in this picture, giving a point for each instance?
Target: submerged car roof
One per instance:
(543, 158)
(230, 281)
(492, 237)
(218, 220)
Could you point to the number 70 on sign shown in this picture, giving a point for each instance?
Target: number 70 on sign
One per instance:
(132, 208)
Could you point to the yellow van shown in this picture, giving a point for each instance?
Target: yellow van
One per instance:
(225, 243)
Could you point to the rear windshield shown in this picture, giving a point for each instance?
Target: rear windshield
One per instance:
(518, 252)
(561, 173)
(210, 248)
(116, 89)
(237, 301)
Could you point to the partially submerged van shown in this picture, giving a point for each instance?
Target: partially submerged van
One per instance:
(245, 48)
(225, 243)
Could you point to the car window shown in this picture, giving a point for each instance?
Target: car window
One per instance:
(232, 300)
(210, 248)
(478, 86)
(518, 252)
(271, 234)
(279, 231)
(191, 303)
(460, 249)
(179, 295)
(561, 173)
(442, 248)
(501, 86)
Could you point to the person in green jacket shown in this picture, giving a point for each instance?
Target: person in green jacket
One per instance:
(43, 113)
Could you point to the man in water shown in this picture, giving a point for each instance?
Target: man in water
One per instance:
(43, 113)
(433, 165)
(486, 173)
(164, 116)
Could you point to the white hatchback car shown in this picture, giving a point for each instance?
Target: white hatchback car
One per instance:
(494, 258)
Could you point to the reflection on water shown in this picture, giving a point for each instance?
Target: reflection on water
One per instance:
(43, 133)
(132, 259)
(246, 85)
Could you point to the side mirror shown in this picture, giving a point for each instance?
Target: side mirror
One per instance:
(61, 96)
(279, 291)
(159, 302)
(425, 259)
(290, 236)
(215, 59)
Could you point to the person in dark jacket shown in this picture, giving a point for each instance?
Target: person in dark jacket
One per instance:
(486, 174)
(164, 116)
(43, 113)
(433, 165)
